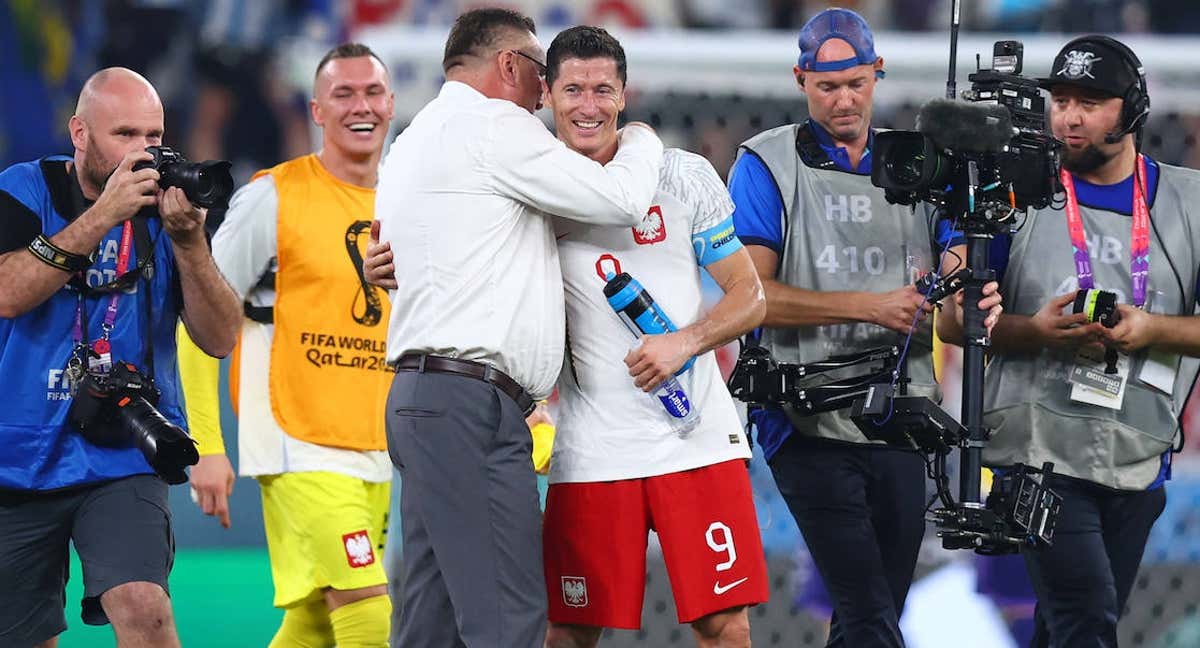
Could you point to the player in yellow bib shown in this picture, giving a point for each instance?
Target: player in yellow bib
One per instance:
(309, 378)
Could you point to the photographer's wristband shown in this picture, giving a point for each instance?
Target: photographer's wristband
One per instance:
(58, 258)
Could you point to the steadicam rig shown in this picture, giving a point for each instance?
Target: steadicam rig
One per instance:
(759, 380)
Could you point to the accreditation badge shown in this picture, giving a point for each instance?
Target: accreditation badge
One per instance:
(1091, 385)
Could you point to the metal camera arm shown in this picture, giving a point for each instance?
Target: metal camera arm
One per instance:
(758, 379)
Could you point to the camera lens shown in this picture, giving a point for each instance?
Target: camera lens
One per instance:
(909, 166)
(167, 448)
(204, 183)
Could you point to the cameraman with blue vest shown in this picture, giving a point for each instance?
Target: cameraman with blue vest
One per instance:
(1126, 234)
(90, 294)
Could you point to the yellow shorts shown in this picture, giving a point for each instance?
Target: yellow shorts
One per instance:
(323, 530)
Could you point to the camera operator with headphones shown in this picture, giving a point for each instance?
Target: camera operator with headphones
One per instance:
(837, 264)
(1127, 225)
(90, 293)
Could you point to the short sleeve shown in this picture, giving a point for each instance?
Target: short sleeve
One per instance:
(19, 222)
(758, 207)
(245, 243)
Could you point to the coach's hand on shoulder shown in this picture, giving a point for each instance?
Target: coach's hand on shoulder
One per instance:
(212, 483)
(126, 190)
(897, 309)
(378, 268)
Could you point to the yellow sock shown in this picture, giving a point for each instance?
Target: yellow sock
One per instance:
(305, 626)
(364, 623)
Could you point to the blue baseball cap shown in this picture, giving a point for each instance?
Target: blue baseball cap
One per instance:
(836, 23)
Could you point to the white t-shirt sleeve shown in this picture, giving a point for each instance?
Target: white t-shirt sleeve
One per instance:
(245, 243)
(702, 189)
(527, 163)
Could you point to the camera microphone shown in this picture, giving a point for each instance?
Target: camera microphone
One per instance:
(966, 126)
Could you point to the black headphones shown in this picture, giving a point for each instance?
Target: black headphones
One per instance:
(1135, 103)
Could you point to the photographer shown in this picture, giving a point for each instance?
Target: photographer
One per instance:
(87, 283)
(1111, 450)
(837, 262)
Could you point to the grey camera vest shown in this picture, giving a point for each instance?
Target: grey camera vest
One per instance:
(840, 234)
(1027, 397)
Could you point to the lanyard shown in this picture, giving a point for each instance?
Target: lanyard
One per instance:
(110, 315)
(1139, 236)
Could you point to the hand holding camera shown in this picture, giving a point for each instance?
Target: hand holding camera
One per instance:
(185, 188)
(1056, 330)
(129, 188)
(1134, 329)
(182, 221)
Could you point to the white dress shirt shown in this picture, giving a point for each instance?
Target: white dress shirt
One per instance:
(464, 197)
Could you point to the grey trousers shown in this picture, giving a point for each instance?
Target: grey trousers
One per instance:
(471, 524)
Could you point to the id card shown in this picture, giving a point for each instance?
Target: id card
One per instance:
(100, 357)
(1089, 383)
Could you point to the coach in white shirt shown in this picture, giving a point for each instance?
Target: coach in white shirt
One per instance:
(477, 325)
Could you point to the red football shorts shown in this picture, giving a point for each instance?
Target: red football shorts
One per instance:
(595, 536)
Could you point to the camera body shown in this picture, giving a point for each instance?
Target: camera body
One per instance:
(992, 152)
(205, 184)
(116, 409)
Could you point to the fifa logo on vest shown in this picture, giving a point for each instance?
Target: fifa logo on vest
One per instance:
(855, 208)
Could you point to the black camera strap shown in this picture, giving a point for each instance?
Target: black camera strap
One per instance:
(142, 240)
(810, 150)
(144, 246)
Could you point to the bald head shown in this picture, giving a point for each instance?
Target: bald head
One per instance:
(118, 113)
(835, 49)
(116, 87)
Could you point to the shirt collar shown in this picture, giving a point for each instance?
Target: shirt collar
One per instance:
(459, 90)
(1117, 197)
(838, 154)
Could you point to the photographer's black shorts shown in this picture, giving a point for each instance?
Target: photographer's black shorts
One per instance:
(121, 531)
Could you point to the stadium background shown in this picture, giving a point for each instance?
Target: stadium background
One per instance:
(708, 73)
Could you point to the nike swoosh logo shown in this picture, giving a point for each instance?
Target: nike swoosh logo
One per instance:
(720, 589)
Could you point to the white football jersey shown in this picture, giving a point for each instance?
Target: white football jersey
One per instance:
(607, 428)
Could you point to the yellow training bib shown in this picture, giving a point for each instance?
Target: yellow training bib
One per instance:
(328, 377)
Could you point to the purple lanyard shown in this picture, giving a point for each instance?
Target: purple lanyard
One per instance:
(1139, 236)
(110, 315)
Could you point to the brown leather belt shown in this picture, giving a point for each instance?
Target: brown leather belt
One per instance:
(421, 362)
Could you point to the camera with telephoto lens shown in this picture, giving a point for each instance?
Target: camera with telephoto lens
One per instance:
(117, 410)
(995, 143)
(206, 184)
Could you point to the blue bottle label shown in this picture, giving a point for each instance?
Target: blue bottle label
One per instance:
(674, 400)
